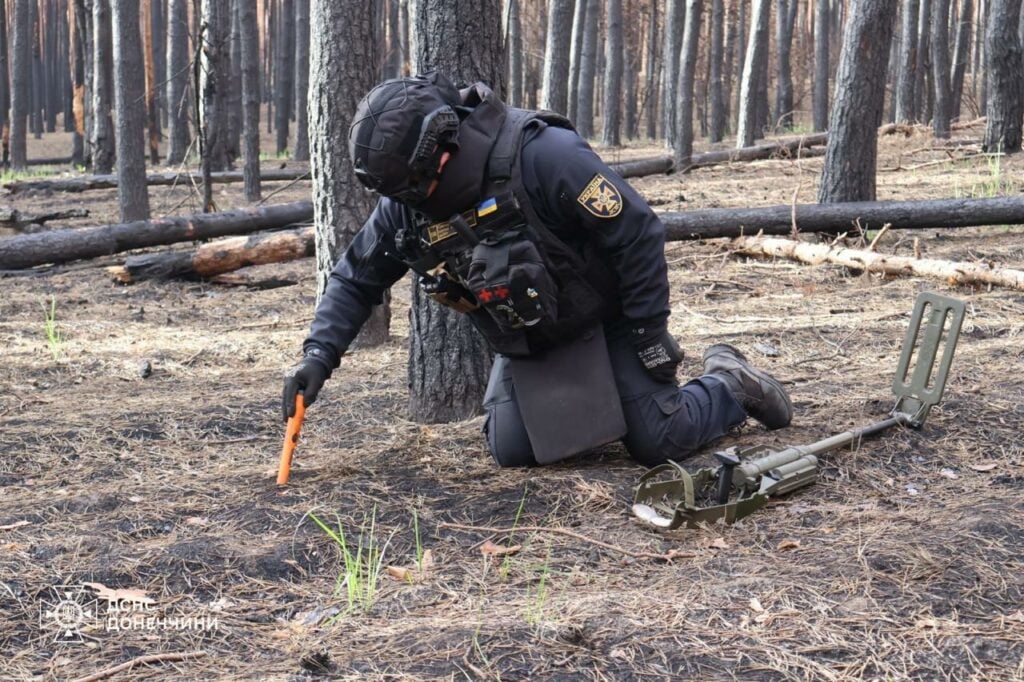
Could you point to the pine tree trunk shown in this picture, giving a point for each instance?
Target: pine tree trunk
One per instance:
(588, 71)
(21, 60)
(250, 57)
(38, 83)
(611, 111)
(579, 21)
(514, 42)
(213, 88)
(284, 72)
(651, 76)
(1003, 64)
(152, 115)
(906, 109)
(821, 64)
(448, 360)
(130, 104)
(556, 55)
(716, 91)
(178, 104)
(756, 57)
(851, 155)
(961, 53)
(79, 45)
(629, 95)
(102, 95)
(943, 111)
(683, 149)
(784, 23)
(674, 11)
(301, 80)
(233, 97)
(922, 66)
(343, 65)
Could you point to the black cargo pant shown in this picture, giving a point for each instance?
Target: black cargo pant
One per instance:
(664, 421)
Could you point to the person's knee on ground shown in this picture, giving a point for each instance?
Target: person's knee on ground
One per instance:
(506, 436)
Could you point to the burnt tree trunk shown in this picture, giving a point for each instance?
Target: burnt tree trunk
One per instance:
(756, 60)
(213, 88)
(343, 67)
(716, 89)
(821, 64)
(588, 71)
(651, 75)
(301, 80)
(250, 57)
(130, 105)
(556, 55)
(21, 60)
(284, 72)
(674, 10)
(943, 110)
(922, 96)
(448, 360)
(102, 89)
(784, 23)
(233, 71)
(683, 148)
(961, 53)
(1003, 64)
(852, 151)
(178, 58)
(906, 105)
(514, 40)
(611, 110)
(148, 50)
(79, 46)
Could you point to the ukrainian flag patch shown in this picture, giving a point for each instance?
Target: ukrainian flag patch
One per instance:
(487, 207)
(601, 198)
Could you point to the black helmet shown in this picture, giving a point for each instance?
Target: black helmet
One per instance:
(399, 132)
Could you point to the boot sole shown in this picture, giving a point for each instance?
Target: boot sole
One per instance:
(735, 352)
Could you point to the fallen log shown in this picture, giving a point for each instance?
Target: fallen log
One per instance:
(86, 183)
(664, 164)
(61, 246)
(951, 272)
(219, 257)
(842, 217)
(29, 222)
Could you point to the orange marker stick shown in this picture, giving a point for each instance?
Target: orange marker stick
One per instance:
(291, 439)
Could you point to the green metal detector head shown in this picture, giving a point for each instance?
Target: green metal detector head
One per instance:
(919, 382)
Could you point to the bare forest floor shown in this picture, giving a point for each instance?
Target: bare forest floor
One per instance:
(905, 561)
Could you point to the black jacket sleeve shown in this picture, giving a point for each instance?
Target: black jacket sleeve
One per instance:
(572, 188)
(357, 283)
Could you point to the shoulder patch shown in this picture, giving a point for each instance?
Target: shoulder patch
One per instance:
(601, 198)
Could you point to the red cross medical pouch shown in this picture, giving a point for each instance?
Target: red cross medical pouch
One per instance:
(508, 277)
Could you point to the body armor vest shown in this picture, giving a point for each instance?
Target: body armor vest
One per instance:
(531, 289)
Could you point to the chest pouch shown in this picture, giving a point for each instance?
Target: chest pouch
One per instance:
(508, 277)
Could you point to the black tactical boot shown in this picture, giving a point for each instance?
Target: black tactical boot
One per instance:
(760, 395)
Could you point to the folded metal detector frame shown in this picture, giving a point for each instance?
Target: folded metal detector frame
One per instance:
(668, 496)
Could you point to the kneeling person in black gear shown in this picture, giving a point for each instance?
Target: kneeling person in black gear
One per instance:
(509, 217)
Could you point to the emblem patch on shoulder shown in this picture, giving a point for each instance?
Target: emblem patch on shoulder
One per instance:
(601, 198)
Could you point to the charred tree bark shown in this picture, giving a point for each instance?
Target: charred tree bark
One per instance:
(62, 246)
(514, 42)
(784, 22)
(301, 80)
(651, 76)
(213, 90)
(943, 110)
(906, 109)
(284, 72)
(922, 67)
(130, 104)
(103, 156)
(683, 149)
(756, 60)
(716, 88)
(343, 67)
(821, 64)
(674, 10)
(852, 152)
(250, 57)
(448, 360)
(611, 134)
(588, 71)
(79, 46)
(152, 115)
(795, 148)
(961, 53)
(93, 182)
(21, 60)
(1004, 64)
(178, 59)
(233, 71)
(556, 55)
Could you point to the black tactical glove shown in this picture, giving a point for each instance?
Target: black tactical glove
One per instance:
(307, 377)
(658, 351)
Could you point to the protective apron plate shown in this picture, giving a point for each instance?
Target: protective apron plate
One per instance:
(568, 399)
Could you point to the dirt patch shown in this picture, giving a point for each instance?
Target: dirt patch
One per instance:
(907, 556)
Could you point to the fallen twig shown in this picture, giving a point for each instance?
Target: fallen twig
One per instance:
(140, 660)
(668, 556)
